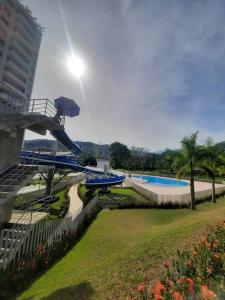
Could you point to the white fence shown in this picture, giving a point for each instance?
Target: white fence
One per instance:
(23, 242)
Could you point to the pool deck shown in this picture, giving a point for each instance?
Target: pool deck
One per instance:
(174, 195)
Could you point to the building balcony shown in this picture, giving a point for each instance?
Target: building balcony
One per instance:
(21, 53)
(30, 22)
(12, 87)
(5, 21)
(27, 48)
(26, 37)
(30, 37)
(4, 27)
(11, 67)
(16, 68)
(8, 9)
(3, 32)
(13, 82)
(18, 60)
(10, 4)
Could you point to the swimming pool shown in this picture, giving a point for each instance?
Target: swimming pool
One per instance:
(160, 181)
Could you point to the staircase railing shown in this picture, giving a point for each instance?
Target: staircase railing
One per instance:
(44, 233)
(13, 237)
(18, 106)
(22, 169)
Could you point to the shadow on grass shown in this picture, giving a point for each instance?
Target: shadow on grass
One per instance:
(81, 291)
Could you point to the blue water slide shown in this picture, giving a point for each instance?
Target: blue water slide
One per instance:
(59, 161)
(65, 162)
(100, 182)
(63, 138)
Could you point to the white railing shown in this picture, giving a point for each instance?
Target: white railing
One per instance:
(19, 106)
(41, 233)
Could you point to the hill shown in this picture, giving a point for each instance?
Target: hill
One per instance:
(88, 148)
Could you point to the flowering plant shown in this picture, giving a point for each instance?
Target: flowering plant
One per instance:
(196, 274)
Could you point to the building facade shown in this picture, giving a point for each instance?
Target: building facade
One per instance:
(20, 38)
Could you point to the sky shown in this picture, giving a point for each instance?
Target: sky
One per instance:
(154, 69)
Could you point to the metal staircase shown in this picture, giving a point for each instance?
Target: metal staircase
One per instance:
(12, 181)
(13, 237)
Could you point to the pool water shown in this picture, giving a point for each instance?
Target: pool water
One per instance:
(162, 182)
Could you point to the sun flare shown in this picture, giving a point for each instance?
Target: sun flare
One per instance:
(76, 66)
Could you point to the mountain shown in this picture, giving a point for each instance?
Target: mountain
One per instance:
(222, 145)
(88, 148)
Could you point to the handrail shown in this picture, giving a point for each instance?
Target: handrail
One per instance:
(17, 232)
(11, 175)
(20, 105)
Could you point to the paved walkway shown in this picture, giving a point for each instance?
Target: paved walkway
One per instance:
(76, 205)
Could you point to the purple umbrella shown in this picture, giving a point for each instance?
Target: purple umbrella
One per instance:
(67, 107)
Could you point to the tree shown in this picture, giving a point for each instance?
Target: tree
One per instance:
(211, 163)
(210, 167)
(187, 160)
(119, 154)
(48, 176)
(168, 157)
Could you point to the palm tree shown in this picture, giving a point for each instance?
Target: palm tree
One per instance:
(187, 160)
(211, 163)
(210, 167)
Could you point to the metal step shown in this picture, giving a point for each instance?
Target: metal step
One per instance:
(8, 188)
(14, 231)
(19, 178)
(5, 195)
(15, 182)
(6, 241)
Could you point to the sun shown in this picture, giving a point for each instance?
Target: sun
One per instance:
(76, 66)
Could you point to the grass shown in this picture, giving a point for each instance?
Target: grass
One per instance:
(124, 196)
(121, 249)
(116, 195)
(26, 198)
(57, 206)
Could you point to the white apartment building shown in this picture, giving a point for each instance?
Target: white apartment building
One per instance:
(20, 38)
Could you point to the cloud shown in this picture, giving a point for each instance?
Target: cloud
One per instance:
(155, 68)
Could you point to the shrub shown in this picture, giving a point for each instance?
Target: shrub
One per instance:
(196, 274)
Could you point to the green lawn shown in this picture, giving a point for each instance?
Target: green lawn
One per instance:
(122, 248)
(116, 195)
(56, 207)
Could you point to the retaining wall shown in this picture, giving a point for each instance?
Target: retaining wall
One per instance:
(176, 199)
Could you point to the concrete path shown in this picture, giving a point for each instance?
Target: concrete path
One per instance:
(76, 205)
